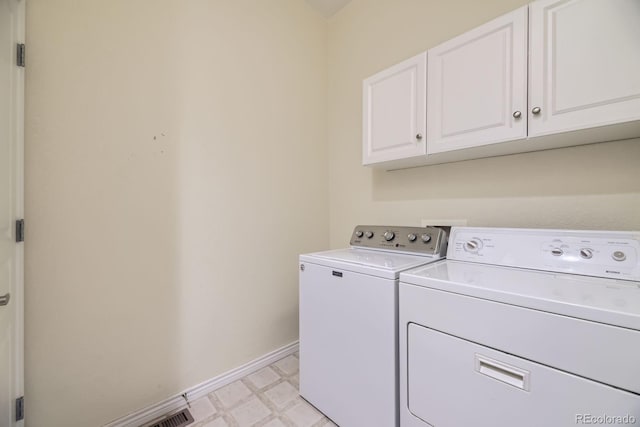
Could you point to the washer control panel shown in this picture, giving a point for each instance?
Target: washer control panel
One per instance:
(418, 240)
(593, 253)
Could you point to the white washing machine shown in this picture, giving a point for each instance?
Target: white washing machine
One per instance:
(522, 327)
(349, 320)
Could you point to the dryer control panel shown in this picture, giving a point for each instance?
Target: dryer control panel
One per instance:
(610, 254)
(419, 240)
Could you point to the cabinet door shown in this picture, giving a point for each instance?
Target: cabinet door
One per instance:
(394, 112)
(584, 64)
(477, 86)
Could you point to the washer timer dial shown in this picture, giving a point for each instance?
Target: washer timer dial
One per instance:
(472, 245)
(586, 253)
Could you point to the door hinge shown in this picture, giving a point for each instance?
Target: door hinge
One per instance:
(21, 55)
(20, 230)
(20, 408)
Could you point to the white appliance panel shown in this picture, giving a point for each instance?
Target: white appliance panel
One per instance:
(367, 261)
(614, 255)
(349, 321)
(614, 302)
(593, 350)
(522, 327)
(348, 333)
(453, 383)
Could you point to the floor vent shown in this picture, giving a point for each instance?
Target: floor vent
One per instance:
(182, 418)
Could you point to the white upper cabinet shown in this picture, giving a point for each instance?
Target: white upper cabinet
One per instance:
(394, 112)
(555, 73)
(477, 86)
(584, 64)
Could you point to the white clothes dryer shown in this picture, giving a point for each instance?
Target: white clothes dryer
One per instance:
(349, 322)
(522, 327)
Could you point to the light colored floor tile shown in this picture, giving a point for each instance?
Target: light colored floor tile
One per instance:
(250, 412)
(218, 422)
(233, 393)
(274, 423)
(282, 394)
(263, 377)
(288, 365)
(275, 402)
(201, 409)
(304, 415)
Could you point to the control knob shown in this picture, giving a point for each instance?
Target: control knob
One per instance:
(426, 238)
(472, 246)
(412, 237)
(586, 253)
(388, 235)
(359, 233)
(557, 252)
(369, 234)
(618, 256)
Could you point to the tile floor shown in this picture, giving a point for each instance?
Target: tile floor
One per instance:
(266, 398)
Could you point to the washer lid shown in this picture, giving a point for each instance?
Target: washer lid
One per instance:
(367, 261)
(610, 301)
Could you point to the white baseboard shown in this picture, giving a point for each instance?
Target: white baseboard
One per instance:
(174, 403)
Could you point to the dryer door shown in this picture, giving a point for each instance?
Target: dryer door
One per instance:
(453, 382)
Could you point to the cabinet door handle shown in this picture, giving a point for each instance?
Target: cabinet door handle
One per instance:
(4, 299)
(517, 114)
(536, 110)
(419, 136)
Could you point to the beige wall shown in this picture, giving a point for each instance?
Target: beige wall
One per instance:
(596, 186)
(177, 163)
(175, 168)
